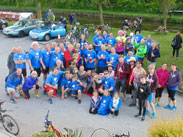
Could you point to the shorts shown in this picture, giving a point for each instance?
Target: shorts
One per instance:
(151, 96)
(74, 92)
(45, 71)
(24, 72)
(50, 88)
(67, 92)
(38, 70)
(9, 90)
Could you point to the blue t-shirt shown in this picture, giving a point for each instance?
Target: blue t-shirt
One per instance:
(62, 56)
(54, 57)
(74, 85)
(105, 38)
(111, 41)
(148, 43)
(18, 57)
(82, 43)
(108, 83)
(99, 42)
(126, 59)
(45, 55)
(94, 38)
(114, 59)
(90, 55)
(34, 57)
(104, 106)
(102, 62)
(65, 82)
(53, 79)
(138, 38)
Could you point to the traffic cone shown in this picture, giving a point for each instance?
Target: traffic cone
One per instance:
(59, 39)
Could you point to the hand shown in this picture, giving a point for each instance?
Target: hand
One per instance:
(32, 69)
(141, 90)
(44, 67)
(62, 97)
(18, 88)
(130, 83)
(92, 109)
(112, 109)
(86, 60)
(159, 86)
(55, 87)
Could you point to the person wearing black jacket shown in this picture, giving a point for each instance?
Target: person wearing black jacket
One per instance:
(10, 61)
(143, 94)
(177, 46)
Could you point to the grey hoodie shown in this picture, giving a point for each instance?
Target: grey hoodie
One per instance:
(174, 79)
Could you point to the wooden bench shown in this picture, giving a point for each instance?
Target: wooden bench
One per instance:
(175, 12)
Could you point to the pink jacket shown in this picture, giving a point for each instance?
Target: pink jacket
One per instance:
(162, 76)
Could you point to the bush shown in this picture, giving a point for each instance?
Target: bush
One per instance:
(166, 127)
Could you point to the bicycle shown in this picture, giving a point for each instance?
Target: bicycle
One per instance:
(8, 122)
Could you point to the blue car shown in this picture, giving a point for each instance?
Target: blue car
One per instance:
(47, 31)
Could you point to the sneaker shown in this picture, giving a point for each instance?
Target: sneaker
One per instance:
(50, 101)
(24, 95)
(12, 100)
(174, 108)
(138, 115)
(79, 101)
(155, 104)
(110, 116)
(168, 107)
(158, 104)
(153, 115)
(132, 105)
(147, 112)
(37, 96)
(143, 118)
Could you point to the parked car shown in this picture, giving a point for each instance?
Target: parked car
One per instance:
(22, 27)
(46, 31)
(3, 24)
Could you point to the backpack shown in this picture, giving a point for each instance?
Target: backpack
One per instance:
(173, 42)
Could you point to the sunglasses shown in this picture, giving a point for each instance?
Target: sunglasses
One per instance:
(105, 73)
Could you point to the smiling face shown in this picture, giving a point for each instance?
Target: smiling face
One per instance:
(164, 66)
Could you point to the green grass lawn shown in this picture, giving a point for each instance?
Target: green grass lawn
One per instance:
(165, 48)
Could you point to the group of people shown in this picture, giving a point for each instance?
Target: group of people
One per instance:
(132, 25)
(101, 69)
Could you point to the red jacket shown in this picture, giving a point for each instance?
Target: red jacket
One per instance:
(68, 57)
(125, 70)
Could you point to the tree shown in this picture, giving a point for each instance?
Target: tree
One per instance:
(165, 5)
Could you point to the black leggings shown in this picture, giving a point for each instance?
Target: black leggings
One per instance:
(177, 52)
(171, 94)
(94, 112)
(142, 105)
(115, 112)
(159, 92)
(26, 92)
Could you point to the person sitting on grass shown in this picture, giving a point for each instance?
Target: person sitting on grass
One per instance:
(76, 89)
(115, 105)
(95, 102)
(30, 82)
(104, 105)
(143, 93)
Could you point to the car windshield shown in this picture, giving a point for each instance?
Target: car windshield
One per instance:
(44, 26)
(20, 23)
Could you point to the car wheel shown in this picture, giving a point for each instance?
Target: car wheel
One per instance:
(21, 34)
(47, 37)
(3, 26)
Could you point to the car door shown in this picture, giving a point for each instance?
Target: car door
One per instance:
(28, 26)
(54, 31)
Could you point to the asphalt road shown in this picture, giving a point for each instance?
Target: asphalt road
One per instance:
(30, 114)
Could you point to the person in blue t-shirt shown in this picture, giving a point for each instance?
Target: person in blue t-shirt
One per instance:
(113, 58)
(82, 41)
(76, 89)
(34, 58)
(105, 35)
(109, 83)
(148, 43)
(96, 36)
(108, 50)
(20, 59)
(54, 57)
(111, 40)
(98, 42)
(62, 50)
(129, 55)
(90, 57)
(45, 60)
(102, 57)
(138, 36)
(66, 80)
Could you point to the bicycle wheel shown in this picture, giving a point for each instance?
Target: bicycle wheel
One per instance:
(10, 125)
(101, 132)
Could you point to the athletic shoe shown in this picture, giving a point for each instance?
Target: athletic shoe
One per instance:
(24, 95)
(174, 108)
(50, 101)
(143, 118)
(37, 96)
(147, 112)
(168, 107)
(138, 115)
(155, 104)
(79, 101)
(153, 115)
(158, 104)
(12, 100)
(110, 116)
(132, 105)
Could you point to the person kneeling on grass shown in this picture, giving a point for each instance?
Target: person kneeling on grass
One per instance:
(143, 93)
(115, 105)
(75, 87)
(104, 105)
(95, 102)
(30, 83)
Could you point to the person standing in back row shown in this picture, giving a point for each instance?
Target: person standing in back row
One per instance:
(177, 46)
(10, 62)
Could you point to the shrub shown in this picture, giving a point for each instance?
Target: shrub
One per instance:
(166, 127)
